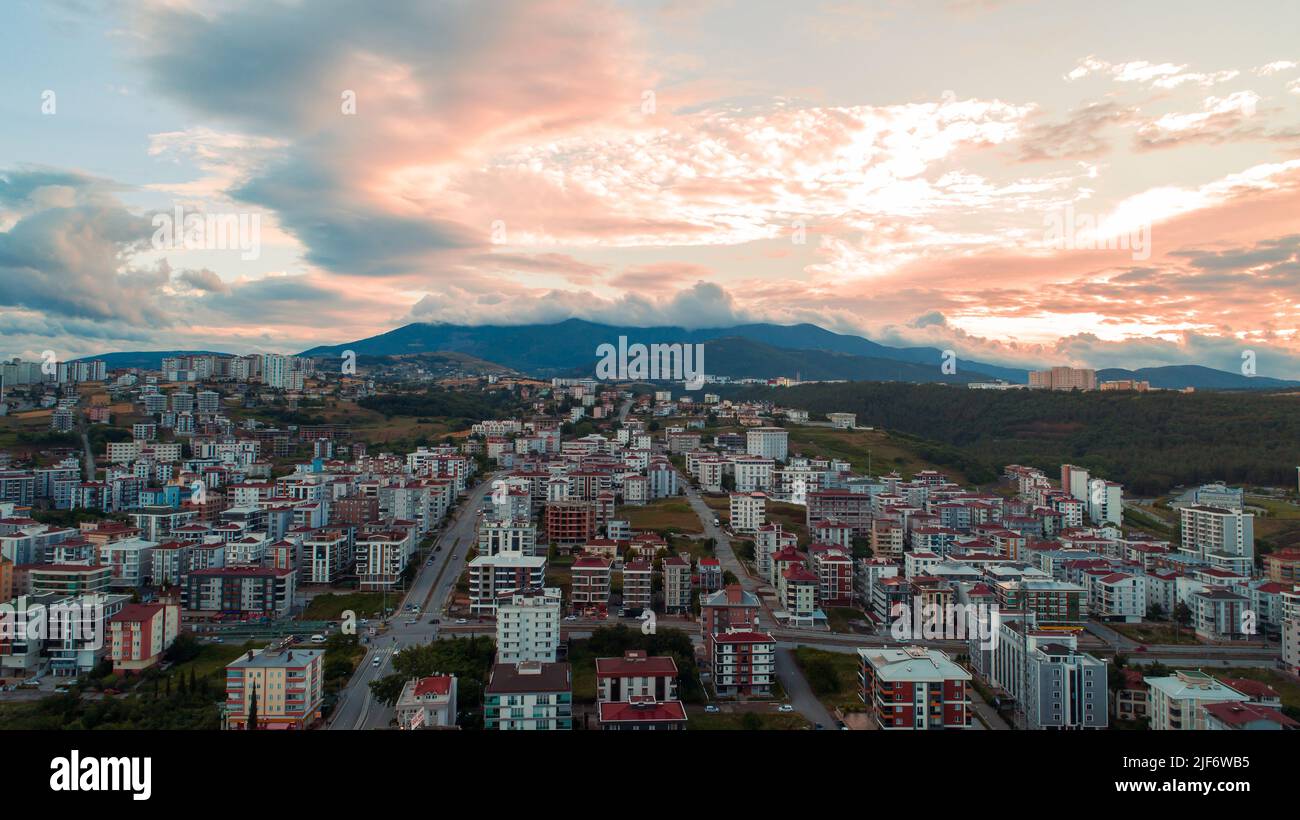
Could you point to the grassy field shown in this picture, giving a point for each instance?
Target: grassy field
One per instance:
(661, 515)
(330, 606)
(875, 449)
(213, 659)
(833, 677)
(840, 618)
(703, 721)
(1158, 633)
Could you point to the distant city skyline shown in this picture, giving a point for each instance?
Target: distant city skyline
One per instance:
(926, 173)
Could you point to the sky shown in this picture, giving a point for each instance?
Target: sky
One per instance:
(1107, 184)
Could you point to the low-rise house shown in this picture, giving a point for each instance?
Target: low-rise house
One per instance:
(427, 703)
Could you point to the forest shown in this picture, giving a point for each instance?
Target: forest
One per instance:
(1149, 442)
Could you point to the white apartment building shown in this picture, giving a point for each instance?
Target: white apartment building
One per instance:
(753, 473)
(1176, 701)
(528, 626)
(1117, 596)
(767, 442)
(275, 370)
(515, 535)
(748, 512)
(1223, 537)
(1105, 502)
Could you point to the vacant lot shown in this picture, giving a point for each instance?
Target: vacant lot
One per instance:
(666, 513)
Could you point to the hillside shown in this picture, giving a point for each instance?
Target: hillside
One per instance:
(1149, 442)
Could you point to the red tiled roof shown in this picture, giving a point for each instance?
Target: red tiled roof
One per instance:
(433, 685)
(1239, 714)
(633, 665)
(642, 711)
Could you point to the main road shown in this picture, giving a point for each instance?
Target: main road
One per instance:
(431, 589)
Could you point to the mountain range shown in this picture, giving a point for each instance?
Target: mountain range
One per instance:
(744, 351)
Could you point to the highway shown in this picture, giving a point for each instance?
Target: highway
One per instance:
(431, 589)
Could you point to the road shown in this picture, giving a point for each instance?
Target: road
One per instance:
(431, 589)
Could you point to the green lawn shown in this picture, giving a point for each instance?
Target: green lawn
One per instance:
(833, 676)
(704, 721)
(330, 606)
(663, 514)
(1157, 633)
(842, 617)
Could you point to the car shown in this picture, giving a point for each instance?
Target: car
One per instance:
(411, 622)
(61, 690)
(318, 638)
(712, 709)
(570, 617)
(818, 726)
(461, 621)
(785, 707)
(434, 621)
(375, 662)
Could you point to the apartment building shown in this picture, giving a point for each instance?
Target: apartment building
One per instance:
(1178, 700)
(677, 584)
(767, 442)
(590, 585)
(914, 688)
(243, 589)
(382, 556)
(638, 584)
(139, 634)
(528, 696)
(491, 576)
(1225, 538)
(748, 512)
(743, 663)
(851, 509)
(512, 535)
(287, 685)
(528, 625)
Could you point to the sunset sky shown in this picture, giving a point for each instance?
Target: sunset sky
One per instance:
(892, 169)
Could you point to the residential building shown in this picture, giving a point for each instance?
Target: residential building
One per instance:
(1177, 700)
(638, 584)
(914, 688)
(427, 703)
(528, 626)
(528, 696)
(748, 512)
(677, 584)
(743, 663)
(589, 586)
(287, 685)
(140, 633)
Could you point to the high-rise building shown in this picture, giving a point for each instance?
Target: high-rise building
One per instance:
(1063, 378)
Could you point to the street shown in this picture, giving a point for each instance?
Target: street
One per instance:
(431, 589)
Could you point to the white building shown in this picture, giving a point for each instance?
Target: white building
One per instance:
(1223, 537)
(748, 512)
(528, 626)
(767, 442)
(1176, 701)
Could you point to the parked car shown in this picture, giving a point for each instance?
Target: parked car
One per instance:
(461, 621)
(785, 707)
(711, 709)
(318, 638)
